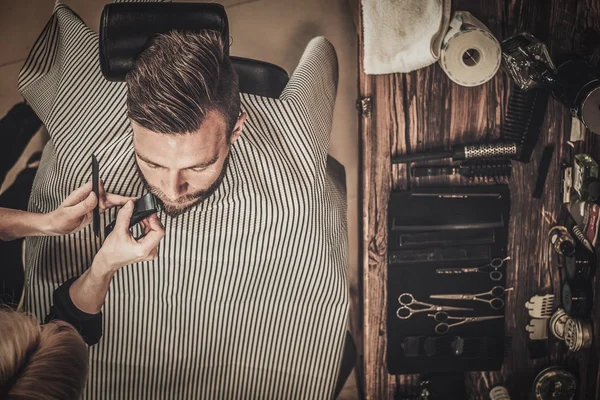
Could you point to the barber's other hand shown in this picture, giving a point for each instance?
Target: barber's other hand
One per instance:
(75, 212)
(120, 247)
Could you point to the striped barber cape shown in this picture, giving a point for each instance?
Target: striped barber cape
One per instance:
(248, 296)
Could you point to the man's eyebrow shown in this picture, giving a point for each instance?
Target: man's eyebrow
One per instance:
(207, 163)
(141, 157)
(199, 165)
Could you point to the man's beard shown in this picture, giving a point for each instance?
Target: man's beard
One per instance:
(197, 197)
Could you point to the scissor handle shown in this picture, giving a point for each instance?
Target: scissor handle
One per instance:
(404, 312)
(496, 303)
(498, 262)
(411, 299)
(442, 328)
(495, 275)
(497, 291)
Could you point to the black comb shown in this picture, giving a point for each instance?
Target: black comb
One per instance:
(523, 119)
(494, 169)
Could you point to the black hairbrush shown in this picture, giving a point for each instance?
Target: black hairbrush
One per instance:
(523, 119)
(496, 170)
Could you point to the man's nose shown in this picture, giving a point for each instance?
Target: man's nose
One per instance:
(175, 186)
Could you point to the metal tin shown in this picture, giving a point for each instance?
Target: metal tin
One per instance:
(555, 383)
(580, 266)
(577, 86)
(578, 334)
(577, 298)
(557, 323)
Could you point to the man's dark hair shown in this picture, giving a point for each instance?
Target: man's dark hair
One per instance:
(178, 79)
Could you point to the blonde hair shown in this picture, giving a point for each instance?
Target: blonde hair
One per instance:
(40, 362)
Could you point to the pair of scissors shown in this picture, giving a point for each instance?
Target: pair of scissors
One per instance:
(495, 301)
(443, 318)
(492, 267)
(406, 310)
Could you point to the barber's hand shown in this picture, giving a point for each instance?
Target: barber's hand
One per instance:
(120, 247)
(75, 212)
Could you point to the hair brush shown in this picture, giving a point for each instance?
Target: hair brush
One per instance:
(523, 119)
(496, 169)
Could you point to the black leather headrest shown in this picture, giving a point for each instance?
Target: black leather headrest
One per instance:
(126, 28)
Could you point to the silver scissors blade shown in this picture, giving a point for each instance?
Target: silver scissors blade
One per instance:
(477, 319)
(447, 308)
(452, 296)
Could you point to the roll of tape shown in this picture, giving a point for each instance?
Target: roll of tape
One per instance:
(470, 54)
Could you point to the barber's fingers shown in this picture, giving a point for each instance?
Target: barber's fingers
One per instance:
(124, 217)
(112, 200)
(78, 195)
(155, 233)
(82, 208)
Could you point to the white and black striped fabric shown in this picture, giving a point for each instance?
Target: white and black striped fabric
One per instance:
(248, 297)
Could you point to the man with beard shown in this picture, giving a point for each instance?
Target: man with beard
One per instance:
(247, 296)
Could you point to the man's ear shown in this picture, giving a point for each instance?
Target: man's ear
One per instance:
(239, 127)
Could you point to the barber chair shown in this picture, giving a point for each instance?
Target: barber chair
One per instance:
(125, 29)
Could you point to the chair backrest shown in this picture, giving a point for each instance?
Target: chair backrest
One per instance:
(126, 29)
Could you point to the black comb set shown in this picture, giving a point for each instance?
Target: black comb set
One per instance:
(496, 170)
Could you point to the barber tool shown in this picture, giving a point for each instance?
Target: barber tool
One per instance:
(581, 237)
(538, 329)
(557, 323)
(470, 54)
(528, 62)
(458, 237)
(492, 268)
(406, 310)
(575, 83)
(464, 152)
(577, 86)
(96, 190)
(443, 318)
(543, 170)
(562, 242)
(479, 347)
(578, 334)
(448, 253)
(540, 306)
(577, 298)
(411, 346)
(499, 393)
(144, 207)
(567, 182)
(523, 120)
(555, 383)
(495, 169)
(581, 265)
(495, 301)
(585, 172)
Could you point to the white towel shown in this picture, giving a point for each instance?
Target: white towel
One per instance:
(403, 35)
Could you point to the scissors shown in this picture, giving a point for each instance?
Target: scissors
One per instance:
(443, 318)
(495, 302)
(493, 265)
(406, 300)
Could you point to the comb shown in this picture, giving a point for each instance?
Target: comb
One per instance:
(493, 169)
(523, 120)
(538, 329)
(540, 306)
